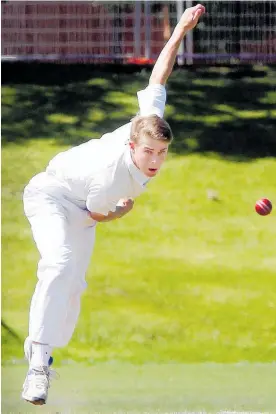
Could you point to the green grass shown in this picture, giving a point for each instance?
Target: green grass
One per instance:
(183, 278)
(227, 111)
(151, 388)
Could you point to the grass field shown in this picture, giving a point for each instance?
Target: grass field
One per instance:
(150, 388)
(184, 279)
(187, 278)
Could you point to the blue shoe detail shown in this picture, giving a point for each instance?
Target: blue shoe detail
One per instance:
(51, 360)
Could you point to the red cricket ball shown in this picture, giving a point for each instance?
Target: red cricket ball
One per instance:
(263, 206)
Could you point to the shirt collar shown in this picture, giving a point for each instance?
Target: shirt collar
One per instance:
(137, 174)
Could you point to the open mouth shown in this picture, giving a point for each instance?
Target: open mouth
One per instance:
(152, 171)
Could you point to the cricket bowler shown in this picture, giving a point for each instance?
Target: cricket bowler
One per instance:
(94, 182)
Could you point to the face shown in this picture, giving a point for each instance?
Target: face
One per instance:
(149, 154)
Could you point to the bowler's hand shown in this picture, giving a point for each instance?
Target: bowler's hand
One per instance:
(190, 17)
(124, 206)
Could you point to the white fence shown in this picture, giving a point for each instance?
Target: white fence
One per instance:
(135, 32)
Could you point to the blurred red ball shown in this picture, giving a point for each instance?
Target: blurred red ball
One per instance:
(263, 206)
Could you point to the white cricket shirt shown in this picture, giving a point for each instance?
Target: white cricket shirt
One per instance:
(97, 174)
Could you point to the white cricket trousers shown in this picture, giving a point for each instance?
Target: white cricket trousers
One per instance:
(64, 235)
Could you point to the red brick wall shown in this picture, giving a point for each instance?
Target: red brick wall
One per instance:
(70, 28)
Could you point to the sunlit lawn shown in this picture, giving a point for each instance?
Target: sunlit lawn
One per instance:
(185, 277)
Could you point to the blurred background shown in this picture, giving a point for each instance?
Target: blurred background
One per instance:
(181, 301)
(125, 32)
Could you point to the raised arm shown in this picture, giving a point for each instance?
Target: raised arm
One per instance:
(164, 64)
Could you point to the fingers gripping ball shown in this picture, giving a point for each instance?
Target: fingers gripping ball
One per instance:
(263, 207)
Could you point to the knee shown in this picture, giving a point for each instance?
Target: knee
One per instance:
(60, 263)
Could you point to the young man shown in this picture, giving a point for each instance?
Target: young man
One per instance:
(94, 182)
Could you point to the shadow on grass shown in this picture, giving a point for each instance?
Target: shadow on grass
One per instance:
(228, 111)
(9, 331)
(10, 340)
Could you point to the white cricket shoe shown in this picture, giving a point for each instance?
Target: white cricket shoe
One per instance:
(36, 385)
(37, 382)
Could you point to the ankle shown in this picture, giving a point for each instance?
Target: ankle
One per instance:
(41, 354)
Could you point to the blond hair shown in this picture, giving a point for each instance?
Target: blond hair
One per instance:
(151, 126)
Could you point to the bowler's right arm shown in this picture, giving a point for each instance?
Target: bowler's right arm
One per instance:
(164, 64)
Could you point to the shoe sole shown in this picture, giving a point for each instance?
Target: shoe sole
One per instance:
(35, 402)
